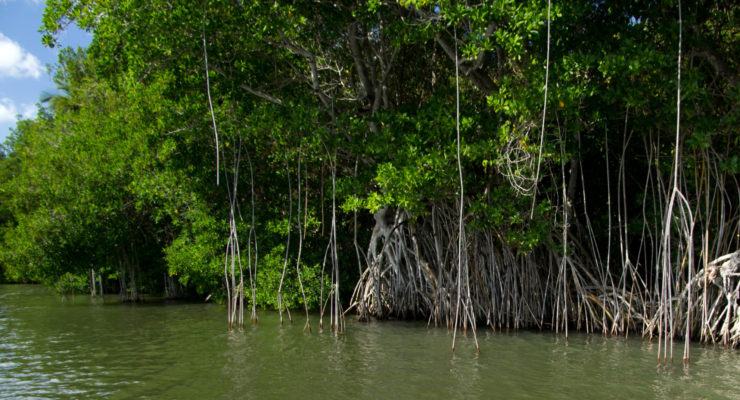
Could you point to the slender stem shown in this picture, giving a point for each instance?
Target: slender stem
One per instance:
(544, 114)
(300, 246)
(287, 245)
(253, 236)
(208, 90)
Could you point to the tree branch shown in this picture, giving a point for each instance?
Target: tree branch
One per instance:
(249, 89)
(474, 73)
(719, 65)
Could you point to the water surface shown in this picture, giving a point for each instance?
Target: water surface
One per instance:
(77, 348)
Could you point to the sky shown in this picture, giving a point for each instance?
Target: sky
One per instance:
(24, 61)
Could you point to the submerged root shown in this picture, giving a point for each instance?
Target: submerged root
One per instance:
(410, 274)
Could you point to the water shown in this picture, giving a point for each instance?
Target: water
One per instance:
(76, 348)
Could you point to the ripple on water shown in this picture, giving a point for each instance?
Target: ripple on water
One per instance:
(85, 350)
(8, 364)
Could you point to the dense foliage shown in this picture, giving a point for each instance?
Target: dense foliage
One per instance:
(131, 170)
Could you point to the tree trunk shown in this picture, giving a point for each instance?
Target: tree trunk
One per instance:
(92, 282)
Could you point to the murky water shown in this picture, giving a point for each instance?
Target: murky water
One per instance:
(77, 348)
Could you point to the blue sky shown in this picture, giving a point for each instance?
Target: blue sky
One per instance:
(24, 74)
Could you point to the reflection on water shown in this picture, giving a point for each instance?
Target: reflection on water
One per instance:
(81, 348)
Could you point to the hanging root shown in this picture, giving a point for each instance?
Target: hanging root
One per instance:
(411, 273)
(517, 163)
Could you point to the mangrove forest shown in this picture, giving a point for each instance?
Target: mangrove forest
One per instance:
(497, 165)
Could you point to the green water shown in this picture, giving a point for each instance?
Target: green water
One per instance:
(77, 348)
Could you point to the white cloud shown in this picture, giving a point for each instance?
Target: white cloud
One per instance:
(29, 111)
(27, 1)
(9, 111)
(16, 62)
